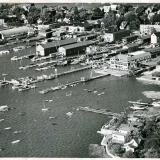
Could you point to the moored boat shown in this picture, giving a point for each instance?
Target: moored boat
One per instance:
(16, 141)
(7, 128)
(69, 113)
(16, 132)
(3, 108)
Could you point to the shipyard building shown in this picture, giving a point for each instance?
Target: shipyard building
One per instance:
(75, 48)
(52, 47)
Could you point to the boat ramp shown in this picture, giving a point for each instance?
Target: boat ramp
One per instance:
(99, 111)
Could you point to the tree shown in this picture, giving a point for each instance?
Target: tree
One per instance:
(129, 154)
(152, 142)
(130, 16)
(140, 10)
(151, 153)
(115, 148)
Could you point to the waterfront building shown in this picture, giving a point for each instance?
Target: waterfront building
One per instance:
(115, 36)
(14, 32)
(75, 48)
(155, 38)
(129, 61)
(129, 39)
(47, 33)
(145, 39)
(118, 137)
(153, 51)
(148, 29)
(75, 28)
(52, 47)
(106, 8)
(130, 146)
(131, 47)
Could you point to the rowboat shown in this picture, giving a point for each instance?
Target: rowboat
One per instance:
(16, 141)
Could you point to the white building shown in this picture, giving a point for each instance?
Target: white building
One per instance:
(147, 29)
(155, 37)
(118, 137)
(75, 29)
(106, 9)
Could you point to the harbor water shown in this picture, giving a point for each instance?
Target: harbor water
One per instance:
(72, 135)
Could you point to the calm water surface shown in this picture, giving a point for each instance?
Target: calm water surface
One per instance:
(72, 135)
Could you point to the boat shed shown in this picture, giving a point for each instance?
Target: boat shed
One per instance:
(131, 47)
(75, 48)
(154, 51)
(129, 39)
(52, 47)
(116, 36)
(4, 34)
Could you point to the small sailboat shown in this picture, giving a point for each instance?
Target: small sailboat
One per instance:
(21, 113)
(16, 132)
(8, 128)
(69, 113)
(63, 87)
(69, 94)
(52, 117)
(101, 93)
(44, 109)
(3, 108)
(1, 120)
(16, 141)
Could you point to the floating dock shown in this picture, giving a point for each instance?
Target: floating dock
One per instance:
(99, 111)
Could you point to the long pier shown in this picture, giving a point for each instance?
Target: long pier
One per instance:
(73, 83)
(53, 76)
(99, 111)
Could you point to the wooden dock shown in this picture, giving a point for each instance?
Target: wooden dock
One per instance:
(71, 84)
(99, 111)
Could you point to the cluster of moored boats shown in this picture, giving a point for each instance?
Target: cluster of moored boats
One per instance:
(138, 105)
(3, 109)
(19, 48)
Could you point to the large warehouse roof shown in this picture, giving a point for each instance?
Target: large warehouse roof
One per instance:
(85, 43)
(15, 31)
(59, 43)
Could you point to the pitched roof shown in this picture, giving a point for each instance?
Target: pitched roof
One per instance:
(157, 34)
(124, 127)
(15, 31)
(146, 37)
(59, 43)
(132, 45)
(119, 133)
(130, 36)
(78, 44)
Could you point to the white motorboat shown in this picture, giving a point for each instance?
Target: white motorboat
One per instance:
(1, 120)
(16, 141)
(101, 93)
(137, 108)
(63, 87)
(156, 104)
(3, 108)
(69, 113)
(8, 128)
(23, 88)
(14, 58)
(16, 132)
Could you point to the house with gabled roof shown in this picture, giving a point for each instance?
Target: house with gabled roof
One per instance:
(118, 137)
(130, 146)
(155, 37)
